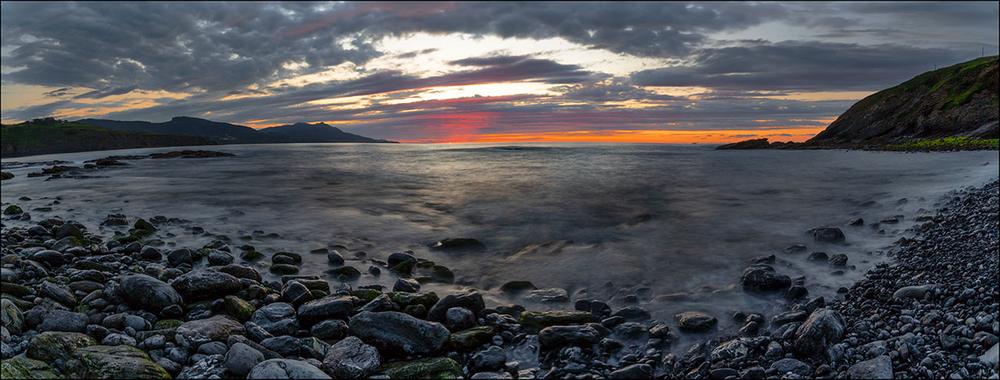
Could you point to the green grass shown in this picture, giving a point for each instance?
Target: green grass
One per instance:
(947, 144)
(32, 134)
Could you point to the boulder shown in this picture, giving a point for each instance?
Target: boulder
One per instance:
(429, 368)
(208, 367)
(115, 362)
(200, 285)
(472, 301)
(11, 316)
(20, 367)
(823, 329)
(399, 333)
(877, 368)
(54, 347)
(763, 278)
(541, 319)
(694, 321)
(276, 318)
(147, 293)
(241, 358)
(64, 320)
(197, 332)
(351, 358)
(333, 307)
(286, 369)
(555, 337)
(828, 235)
(789, 365)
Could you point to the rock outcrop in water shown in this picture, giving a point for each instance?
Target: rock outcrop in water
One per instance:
(960, 100)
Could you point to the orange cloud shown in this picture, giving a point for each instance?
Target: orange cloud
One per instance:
(796, 134)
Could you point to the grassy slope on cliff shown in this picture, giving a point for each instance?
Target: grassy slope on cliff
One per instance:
(51, 136)
(959, 100)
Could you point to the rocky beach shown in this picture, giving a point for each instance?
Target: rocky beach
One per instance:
(125, 301)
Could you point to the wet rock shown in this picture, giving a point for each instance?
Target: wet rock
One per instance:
(819, 256)
(548, 295)
(276, 318)
(828, 234)
(633, 313)
(57, 293)
(469, 339)
(472, 301)
(542, 319)
(334, 258)
(57, 347)
(197, 332)
(694, 321)
(11, 316)
(406, 285)
(63, 320)
(115, 362)
(794, 366)
(516, 287)
(179, 256)
(284, 269)
(634, 371)
(219, 258)
(295, 293)
(459, 318)
(430, 368)
(329, 329)
(915, 292)
(20, 367)
(205, 284)
(398, 333)
(838, 260)
(241, 358)
(344, 274)
(351, 358)
(492, 358)
(284, 345)
(286, 369)
(315, 311)
(555, 337)
(877, 368)
(823, 329)
(147, 293)
(763, 278)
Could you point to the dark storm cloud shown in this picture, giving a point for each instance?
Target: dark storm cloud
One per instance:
(800, 66)
(216, 46)
(105, 92)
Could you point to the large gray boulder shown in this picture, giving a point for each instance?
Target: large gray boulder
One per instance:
(200, 285)
(823, 329)
(877, 368)
(286, 369)
(241, 358)
(351, 358)
(395, 332)
(763, 278)
(276, 318)
(147, 293)
(316, 311)
(220, 327)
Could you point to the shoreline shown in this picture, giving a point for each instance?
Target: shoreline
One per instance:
(214, 321)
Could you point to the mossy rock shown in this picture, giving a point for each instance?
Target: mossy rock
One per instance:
(238, 308)
(12, 210)
(143, 225)
(115, 362)
(11, 316)
(430, 368)
(167, 324)
(57, 346)
(366, 294)
(15, 290)
(344, 273)
(404, 299)
(20, 367)
(467, 340)
(541, 319)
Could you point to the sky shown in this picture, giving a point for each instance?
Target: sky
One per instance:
(481, 72)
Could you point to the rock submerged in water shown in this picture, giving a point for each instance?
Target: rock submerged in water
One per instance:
(761, 277)
(554, 337)
(828, 235)
(458, 244)
(147, 293)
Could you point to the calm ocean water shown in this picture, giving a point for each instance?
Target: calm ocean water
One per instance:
(673, 225)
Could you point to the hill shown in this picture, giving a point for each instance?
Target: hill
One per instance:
(319, 132)
(225, 133)
(48, 136)
(959, 102)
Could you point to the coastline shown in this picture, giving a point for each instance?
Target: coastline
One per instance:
(588, 340)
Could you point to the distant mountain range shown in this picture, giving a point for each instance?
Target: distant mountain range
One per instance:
(225, 133)
(48, 136)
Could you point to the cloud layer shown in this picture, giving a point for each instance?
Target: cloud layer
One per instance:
(696, 65)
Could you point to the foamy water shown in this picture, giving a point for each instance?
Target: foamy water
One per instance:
(673, 225)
